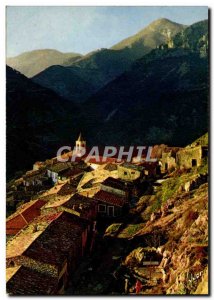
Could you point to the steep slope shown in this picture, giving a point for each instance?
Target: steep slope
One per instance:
(194, 37)
(109, 63)
(33, 62)
(170, 224)
(162, 96)
(101, 66)
(38, 122)
(66, 83)
(158, 32)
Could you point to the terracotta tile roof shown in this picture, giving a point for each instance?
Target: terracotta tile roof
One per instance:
(23, 216)
(28, 235)
(26, 281)
(100, 160)
(109, 198)
(55, 243)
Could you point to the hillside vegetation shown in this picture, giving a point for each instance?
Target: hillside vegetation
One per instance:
(172, 221)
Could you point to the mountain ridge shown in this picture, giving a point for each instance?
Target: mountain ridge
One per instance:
(33, 62)
(101, 66)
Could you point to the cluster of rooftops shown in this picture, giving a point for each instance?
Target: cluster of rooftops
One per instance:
(48, 236)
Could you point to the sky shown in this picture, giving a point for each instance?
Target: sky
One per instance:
(84, 29)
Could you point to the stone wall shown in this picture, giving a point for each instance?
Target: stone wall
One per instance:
(189, 157)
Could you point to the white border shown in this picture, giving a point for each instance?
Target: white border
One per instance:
(4, 3)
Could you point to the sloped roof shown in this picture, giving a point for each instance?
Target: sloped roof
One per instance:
(55, 243)
(26, 281)
(28, 235)
(115, 183)
(60, 166)
(110, 198)
(23, 216)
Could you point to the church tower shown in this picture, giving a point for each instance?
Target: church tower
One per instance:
(80, 145)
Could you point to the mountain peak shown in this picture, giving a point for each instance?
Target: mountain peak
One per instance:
(150, 36)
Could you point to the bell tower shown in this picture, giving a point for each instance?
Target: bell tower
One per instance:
(80, 145)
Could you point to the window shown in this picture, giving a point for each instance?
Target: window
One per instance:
(111, 211)
(166, 166)
(133, 172)
(125, 173)
(102, 208)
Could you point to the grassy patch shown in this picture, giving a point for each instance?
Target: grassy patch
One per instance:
(113, 228)
(130, 230)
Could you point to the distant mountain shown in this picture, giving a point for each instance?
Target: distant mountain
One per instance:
(66, 83)
(38, 122)
(33, 62)
(107, 64)
(163, 98)
(102, 66)
(160, 98)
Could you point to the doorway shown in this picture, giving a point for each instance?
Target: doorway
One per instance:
(194, 162)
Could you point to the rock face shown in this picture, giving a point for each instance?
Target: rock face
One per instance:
(158, 32)
(183, 235)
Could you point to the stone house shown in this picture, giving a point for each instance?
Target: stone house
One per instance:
(109, 204)
(151, 169)
(117, 187)
(189, 157)
(58, 170)
(130, 172)
(77, 204)
(168, 159)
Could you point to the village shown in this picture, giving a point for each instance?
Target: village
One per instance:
(59, 214)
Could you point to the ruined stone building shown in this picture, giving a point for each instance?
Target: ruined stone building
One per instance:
(189, 157)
